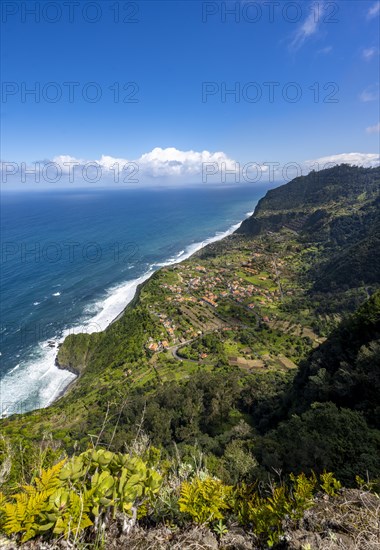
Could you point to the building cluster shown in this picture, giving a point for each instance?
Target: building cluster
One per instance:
(161, 345)
(178, 294)
(208, 287)
(168, 324)
(170, 327)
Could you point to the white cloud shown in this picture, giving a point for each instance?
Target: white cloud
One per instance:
(374, 10)
(370, 94)
(325, 50)
(305, 30)
(373, 129)
(66, 161)
(172, 166)
(158, 163)
(357, 159)
(368, 53)
(172, 162)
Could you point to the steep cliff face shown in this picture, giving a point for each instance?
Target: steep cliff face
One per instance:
(338, 208)
(345, 368)
(316, 201)
(73, 355)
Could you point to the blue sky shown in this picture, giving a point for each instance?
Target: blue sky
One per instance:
(169, 52)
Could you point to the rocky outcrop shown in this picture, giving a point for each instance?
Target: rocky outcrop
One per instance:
(68, 367)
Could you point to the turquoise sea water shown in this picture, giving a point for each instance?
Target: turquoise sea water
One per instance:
(71, 260)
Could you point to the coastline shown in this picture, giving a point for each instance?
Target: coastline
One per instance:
(39, 382)
(182, 257)
(137, 285)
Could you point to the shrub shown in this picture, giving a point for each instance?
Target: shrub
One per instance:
(75, 494)
(204, 500)
(329, 484)
(265, 514)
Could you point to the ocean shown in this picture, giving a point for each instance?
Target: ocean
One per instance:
(71, 260)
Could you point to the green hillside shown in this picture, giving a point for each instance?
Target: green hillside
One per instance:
(318, 196)
(260, 353)
(332, 409)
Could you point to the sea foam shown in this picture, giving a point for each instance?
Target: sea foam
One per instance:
(38, 382)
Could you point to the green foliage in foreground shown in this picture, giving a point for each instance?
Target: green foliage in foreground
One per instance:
(75, 494)
(205, 500)
(77, 498)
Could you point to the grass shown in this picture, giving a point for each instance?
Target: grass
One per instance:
(232, 347)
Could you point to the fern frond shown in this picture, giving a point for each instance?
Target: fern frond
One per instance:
(49, 479)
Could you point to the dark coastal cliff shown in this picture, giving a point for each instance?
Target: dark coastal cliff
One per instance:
(316, 200)
(73, 354)
(338, 208)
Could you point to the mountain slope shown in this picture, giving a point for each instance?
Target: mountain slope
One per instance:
(314, 200)
(338, 210)
(332, 415)
(346, 368)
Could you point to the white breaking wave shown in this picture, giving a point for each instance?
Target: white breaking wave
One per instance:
(192, 248)
(15, 368)
(109, 308)
(21, 389)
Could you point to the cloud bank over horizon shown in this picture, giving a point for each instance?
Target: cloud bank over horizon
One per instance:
(171, 166)
(366, 160)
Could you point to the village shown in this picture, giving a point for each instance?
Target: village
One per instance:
(237, 292)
